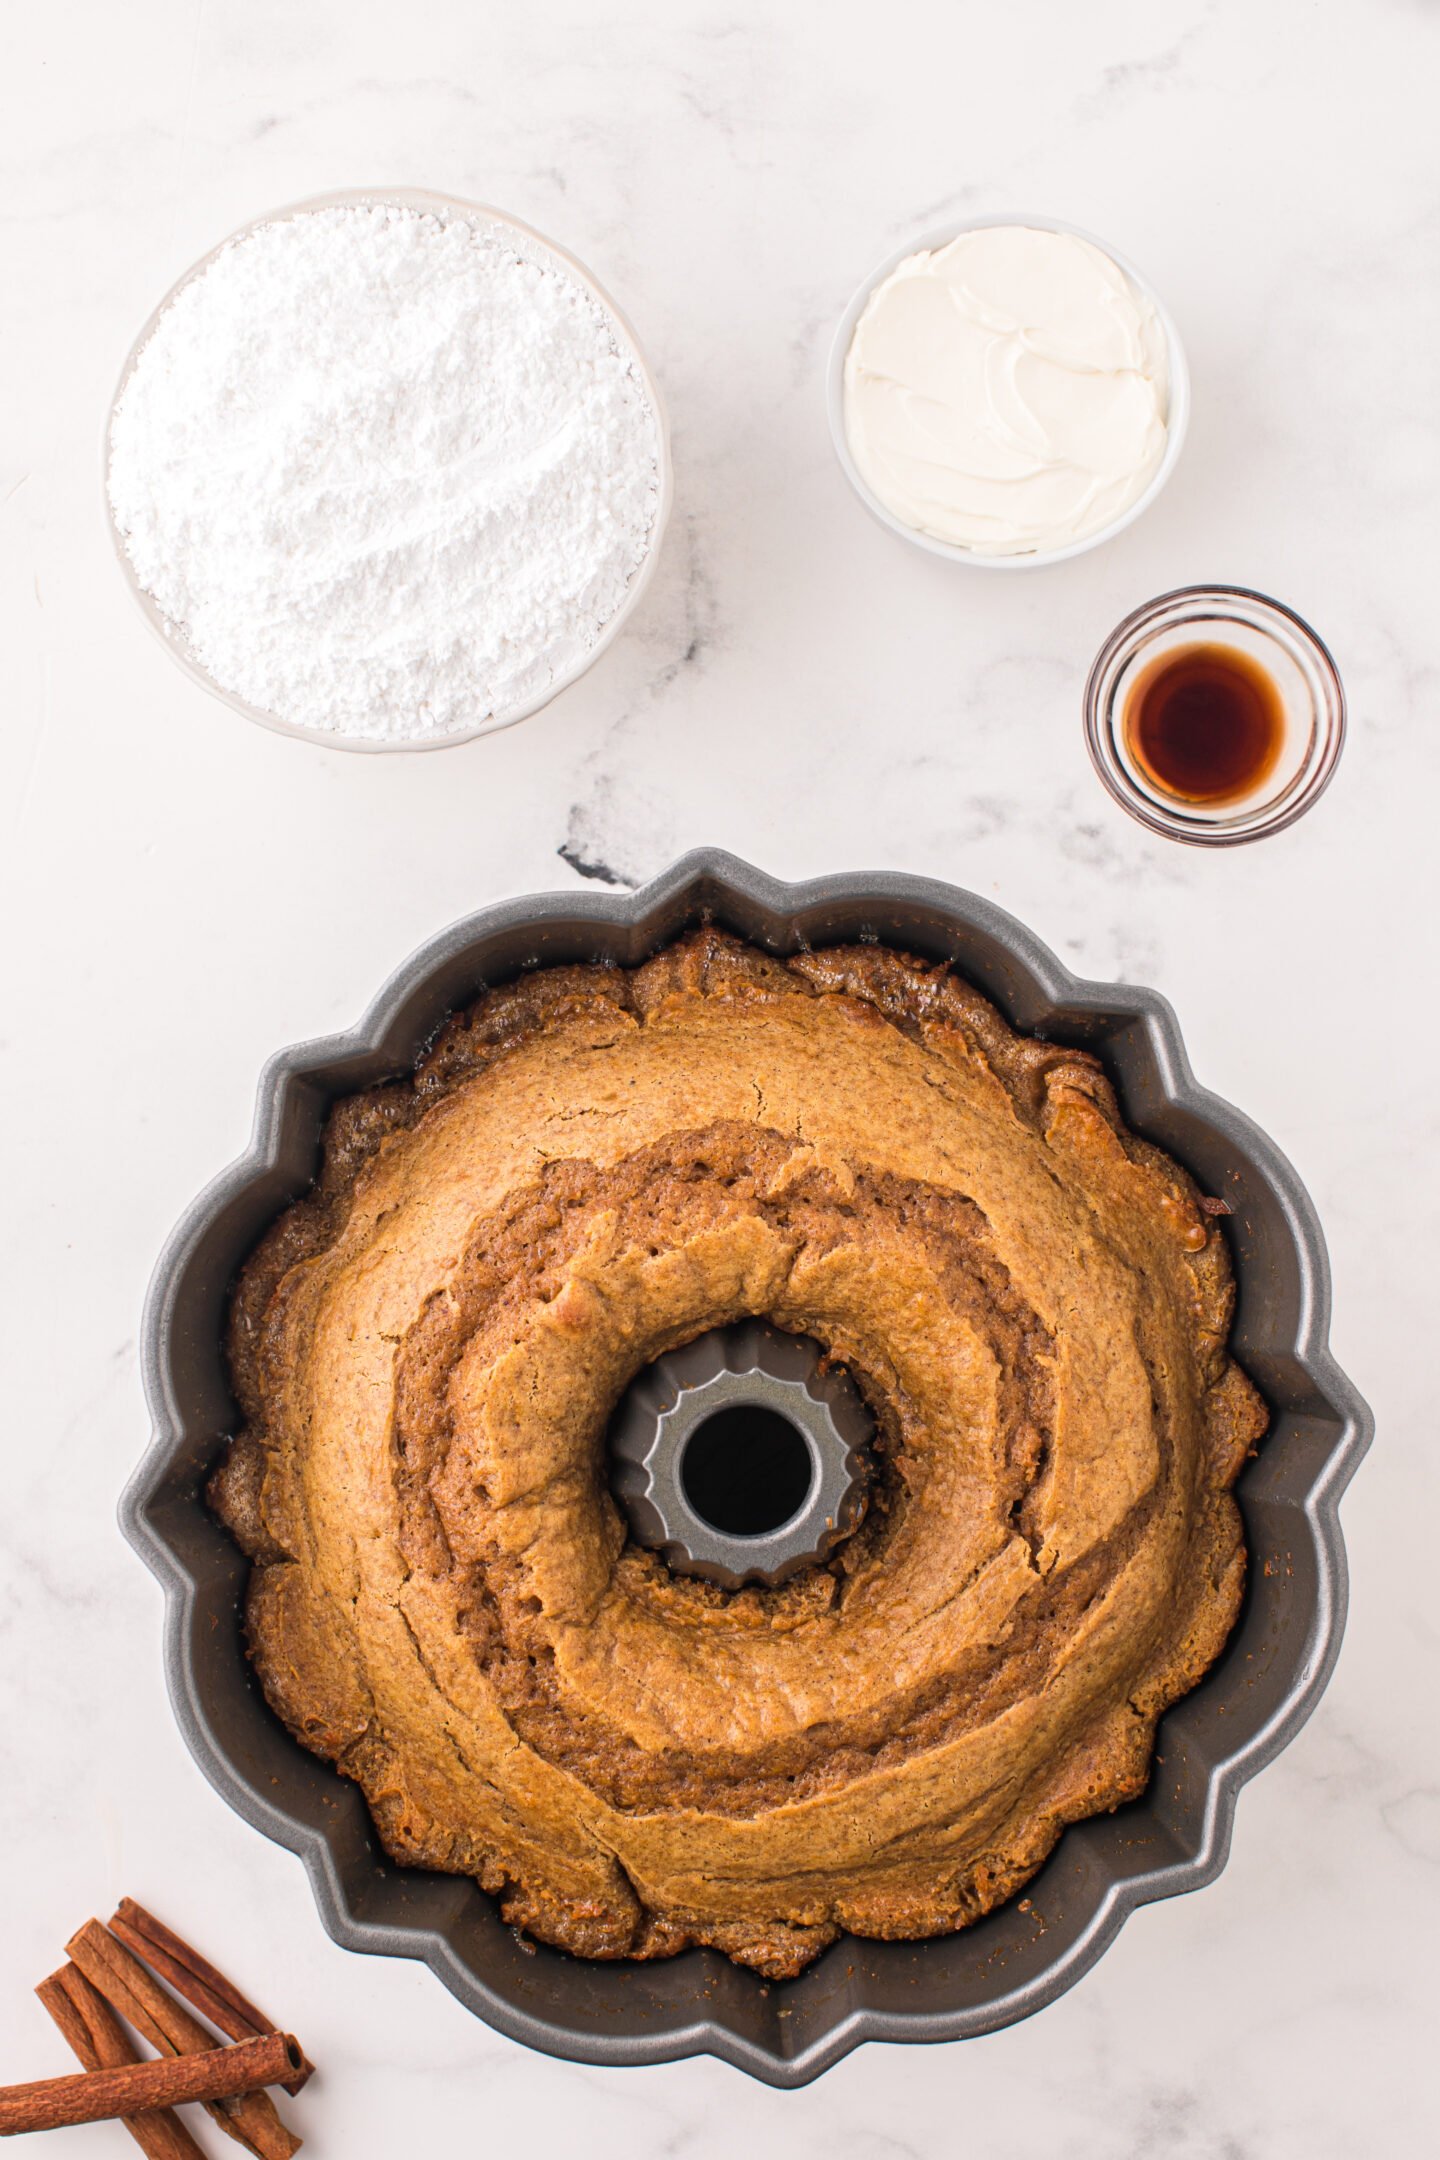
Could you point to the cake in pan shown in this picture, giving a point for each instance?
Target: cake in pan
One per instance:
(595, 1165)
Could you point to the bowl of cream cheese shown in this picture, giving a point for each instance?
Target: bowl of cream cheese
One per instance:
(1007, 392)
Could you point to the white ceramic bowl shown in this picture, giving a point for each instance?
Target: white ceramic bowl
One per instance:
(534, 247)
(1177, 422)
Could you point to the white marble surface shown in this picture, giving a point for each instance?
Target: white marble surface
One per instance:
(187, 892)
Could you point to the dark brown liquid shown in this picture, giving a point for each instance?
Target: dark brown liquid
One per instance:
(1205, 723)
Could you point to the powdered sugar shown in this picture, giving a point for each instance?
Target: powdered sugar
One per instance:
(387, 473)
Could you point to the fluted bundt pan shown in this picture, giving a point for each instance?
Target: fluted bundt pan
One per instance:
(1024, 1954)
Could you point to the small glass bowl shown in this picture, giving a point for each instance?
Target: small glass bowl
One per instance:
(1291, 655)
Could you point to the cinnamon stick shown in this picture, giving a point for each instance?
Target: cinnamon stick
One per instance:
(202, 1984)
(140, 1999)
(96, 2036)
(219, 2073)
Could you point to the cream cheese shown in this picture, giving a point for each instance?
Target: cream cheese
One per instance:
(1008, 393)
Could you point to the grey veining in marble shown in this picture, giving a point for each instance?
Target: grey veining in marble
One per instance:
(184, 892)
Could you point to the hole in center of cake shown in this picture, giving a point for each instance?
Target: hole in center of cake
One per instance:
(746, 1470)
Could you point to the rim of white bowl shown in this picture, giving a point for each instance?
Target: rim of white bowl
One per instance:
(172, 636)
(938, 236)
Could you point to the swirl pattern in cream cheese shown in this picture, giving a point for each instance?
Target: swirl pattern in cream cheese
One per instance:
(1008, 393)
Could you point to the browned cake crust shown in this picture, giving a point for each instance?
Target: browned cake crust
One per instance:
(594, 1166)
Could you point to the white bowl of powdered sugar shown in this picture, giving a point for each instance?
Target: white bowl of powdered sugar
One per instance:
(387, 471)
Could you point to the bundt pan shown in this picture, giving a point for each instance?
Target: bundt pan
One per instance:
(1027, 1952)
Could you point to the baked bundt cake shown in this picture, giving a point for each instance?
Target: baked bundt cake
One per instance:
(593, 1166)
